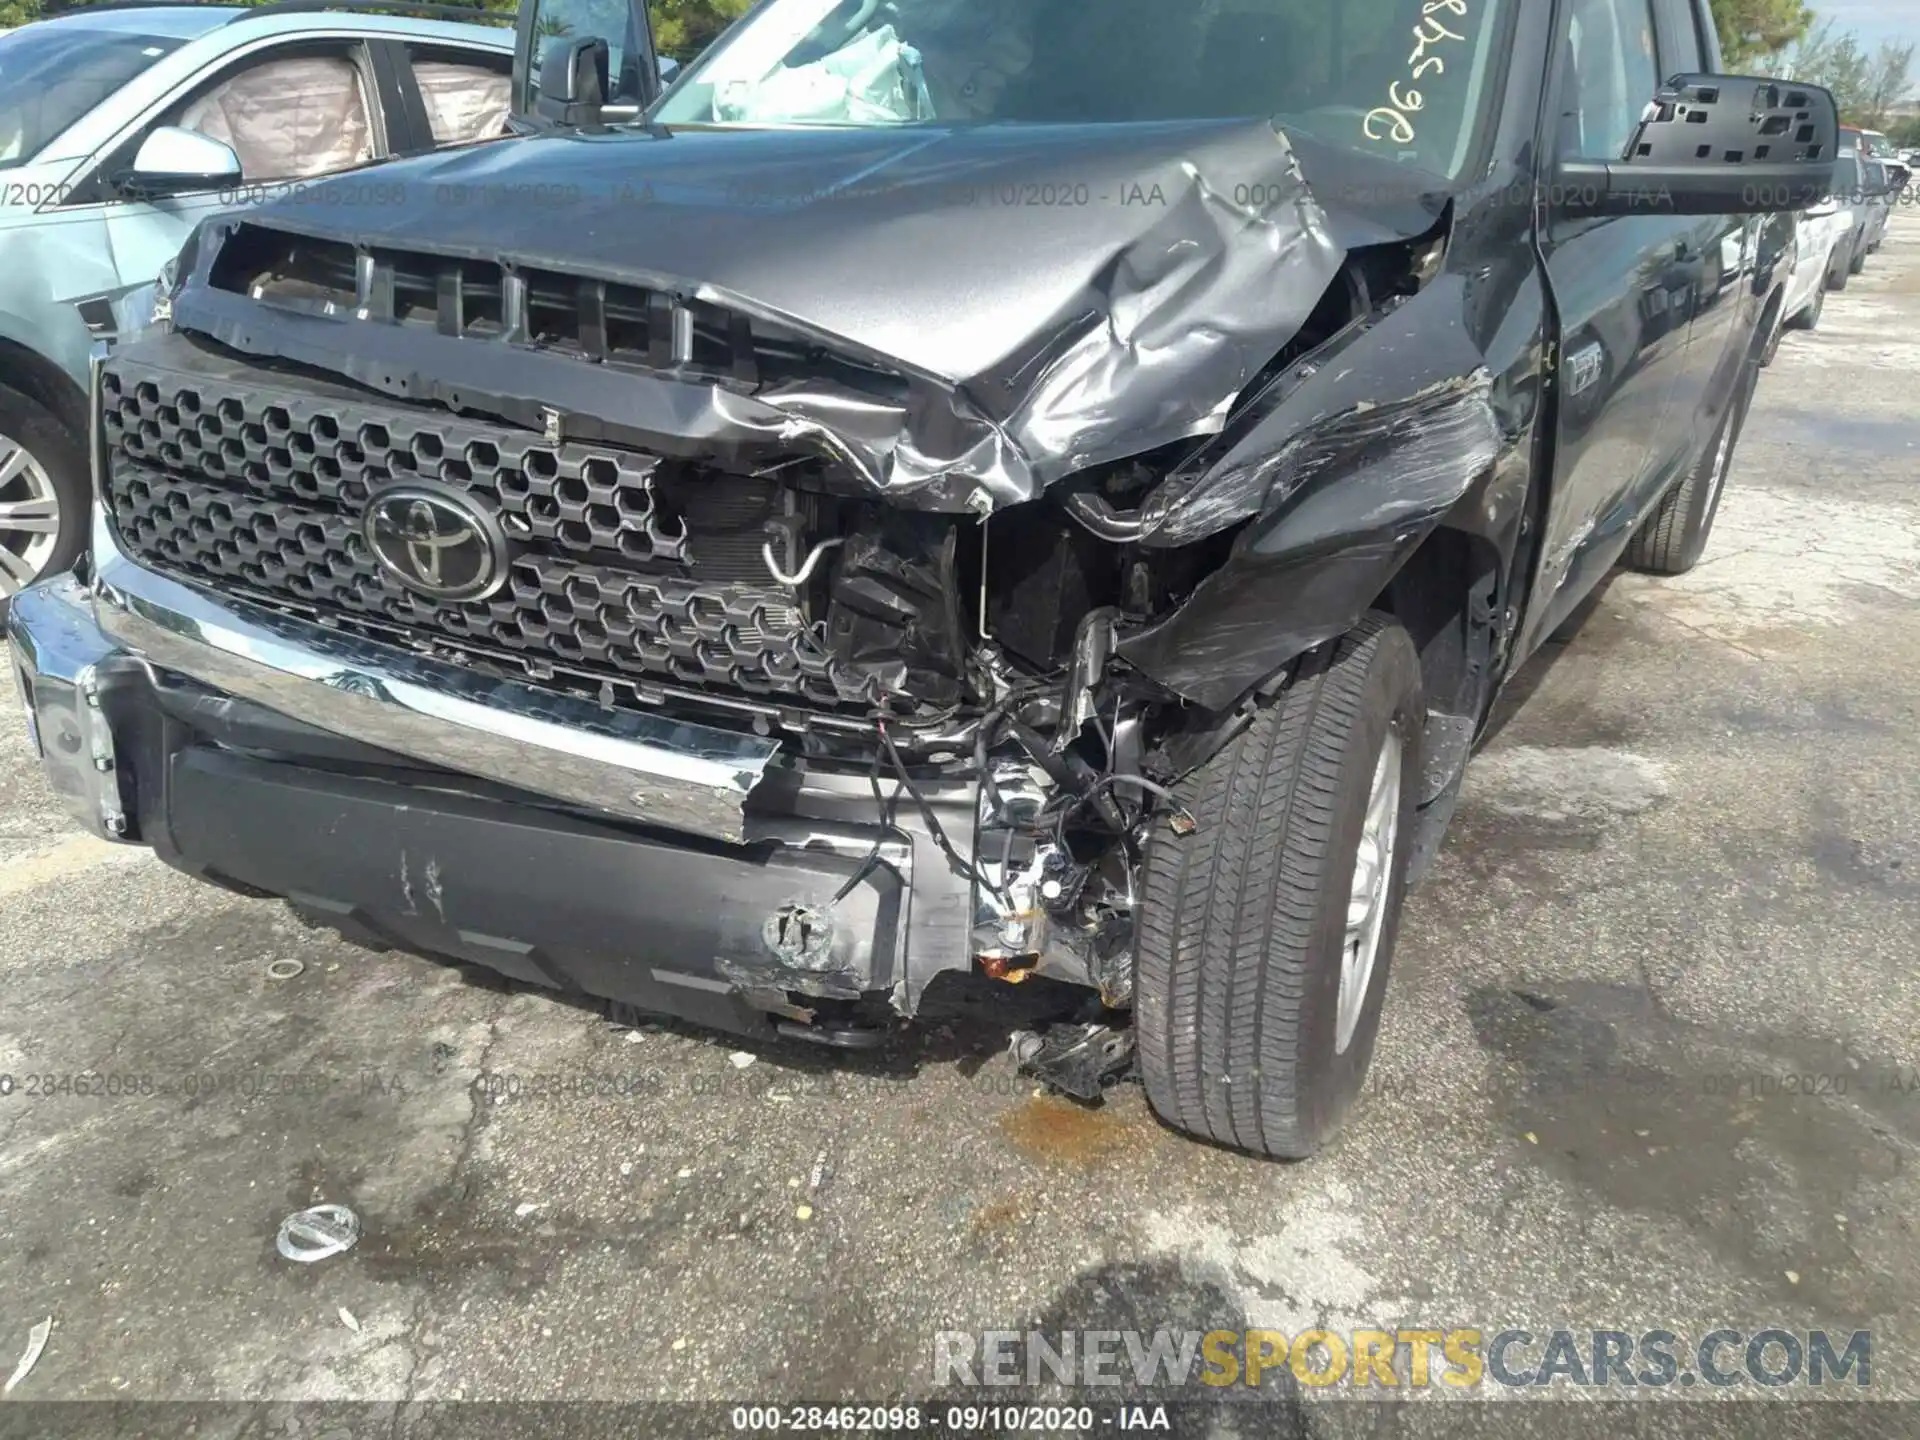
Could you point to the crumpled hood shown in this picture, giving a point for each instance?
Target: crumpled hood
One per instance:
(1058, 296)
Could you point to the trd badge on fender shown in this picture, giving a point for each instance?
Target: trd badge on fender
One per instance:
(436, 542)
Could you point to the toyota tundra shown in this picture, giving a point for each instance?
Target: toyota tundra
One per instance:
(1001, 487)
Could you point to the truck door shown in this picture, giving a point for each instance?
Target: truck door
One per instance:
(1624, 289)
(1736, 268)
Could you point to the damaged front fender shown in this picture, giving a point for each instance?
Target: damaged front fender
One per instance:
(1342, 470)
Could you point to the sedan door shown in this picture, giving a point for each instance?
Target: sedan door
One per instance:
(290, 109)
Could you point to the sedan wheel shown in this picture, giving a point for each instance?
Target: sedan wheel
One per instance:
(29, 516)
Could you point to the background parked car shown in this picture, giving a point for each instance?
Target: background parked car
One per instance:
(1881, 147)
(1850, 191)
(1875, 204)
(121, 128)
(1823, 245)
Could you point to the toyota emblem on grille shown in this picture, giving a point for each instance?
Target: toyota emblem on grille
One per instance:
(437, 543)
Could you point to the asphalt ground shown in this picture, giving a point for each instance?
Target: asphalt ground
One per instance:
(1651, 1062)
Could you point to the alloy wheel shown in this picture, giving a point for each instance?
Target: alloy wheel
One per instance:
(29, 517)
(1372, 887)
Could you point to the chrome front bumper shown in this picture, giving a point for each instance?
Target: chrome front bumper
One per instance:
(58, 650)
(680, 776)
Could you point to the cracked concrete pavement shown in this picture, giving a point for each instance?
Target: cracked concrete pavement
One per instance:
(1686, 870)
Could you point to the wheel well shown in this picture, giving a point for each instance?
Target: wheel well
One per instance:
(40, 379)
(1443, 597)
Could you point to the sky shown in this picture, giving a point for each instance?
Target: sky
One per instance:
(1875, 20)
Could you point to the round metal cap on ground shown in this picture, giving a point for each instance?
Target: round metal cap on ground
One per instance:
(318, 1233)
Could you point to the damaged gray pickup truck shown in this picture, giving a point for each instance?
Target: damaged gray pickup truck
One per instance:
(1008, 488)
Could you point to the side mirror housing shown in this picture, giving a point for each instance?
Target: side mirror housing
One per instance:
(1717, 145)
(574, 81)
(174, 161)
(669, 70)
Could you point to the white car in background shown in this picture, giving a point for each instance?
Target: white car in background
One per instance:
(1822, 253)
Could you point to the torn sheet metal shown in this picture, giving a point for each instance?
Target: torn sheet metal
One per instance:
(1344, 473)
(1022, 302)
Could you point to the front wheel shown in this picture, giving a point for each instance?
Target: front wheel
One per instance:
(1842, 272)
(44, 493)
(1809, 318)
(1266, 935)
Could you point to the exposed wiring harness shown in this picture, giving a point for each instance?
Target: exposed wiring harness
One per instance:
(1077, 793)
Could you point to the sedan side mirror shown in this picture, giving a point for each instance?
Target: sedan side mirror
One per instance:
(1717, 145)
(173, 161)
(574, 81)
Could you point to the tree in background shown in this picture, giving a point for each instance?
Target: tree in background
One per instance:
(1888, 79)
(683, 28)
(1867, 84)
(1755, 30)
(1838, 61)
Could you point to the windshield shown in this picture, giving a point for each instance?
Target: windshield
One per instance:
(1398, 78)
(50, 76)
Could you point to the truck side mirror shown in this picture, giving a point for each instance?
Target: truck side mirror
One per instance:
(573, 82)
(1716, 145)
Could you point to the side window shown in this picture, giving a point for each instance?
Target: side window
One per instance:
(466, 96)
(560, 22)
(289, 117)
(1610, 72)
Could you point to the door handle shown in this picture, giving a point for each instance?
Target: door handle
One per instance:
(1682, 250)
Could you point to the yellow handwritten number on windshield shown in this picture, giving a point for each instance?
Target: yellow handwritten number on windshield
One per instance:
(1393, 121)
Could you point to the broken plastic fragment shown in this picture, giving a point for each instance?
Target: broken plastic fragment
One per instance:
(36, 1342)
(348, 1319)
(740, 1059)
(318, 1233)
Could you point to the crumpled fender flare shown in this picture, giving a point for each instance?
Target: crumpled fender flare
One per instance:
(1343, 481)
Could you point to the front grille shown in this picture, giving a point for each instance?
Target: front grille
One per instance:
(622, 325)
(626, 567)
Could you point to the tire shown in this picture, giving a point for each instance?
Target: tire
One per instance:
(1809, 318)
(1243, 925)
(1859, 265)
(1675, 535)
(1838, 277)
(1772, 351)
(43, 483)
